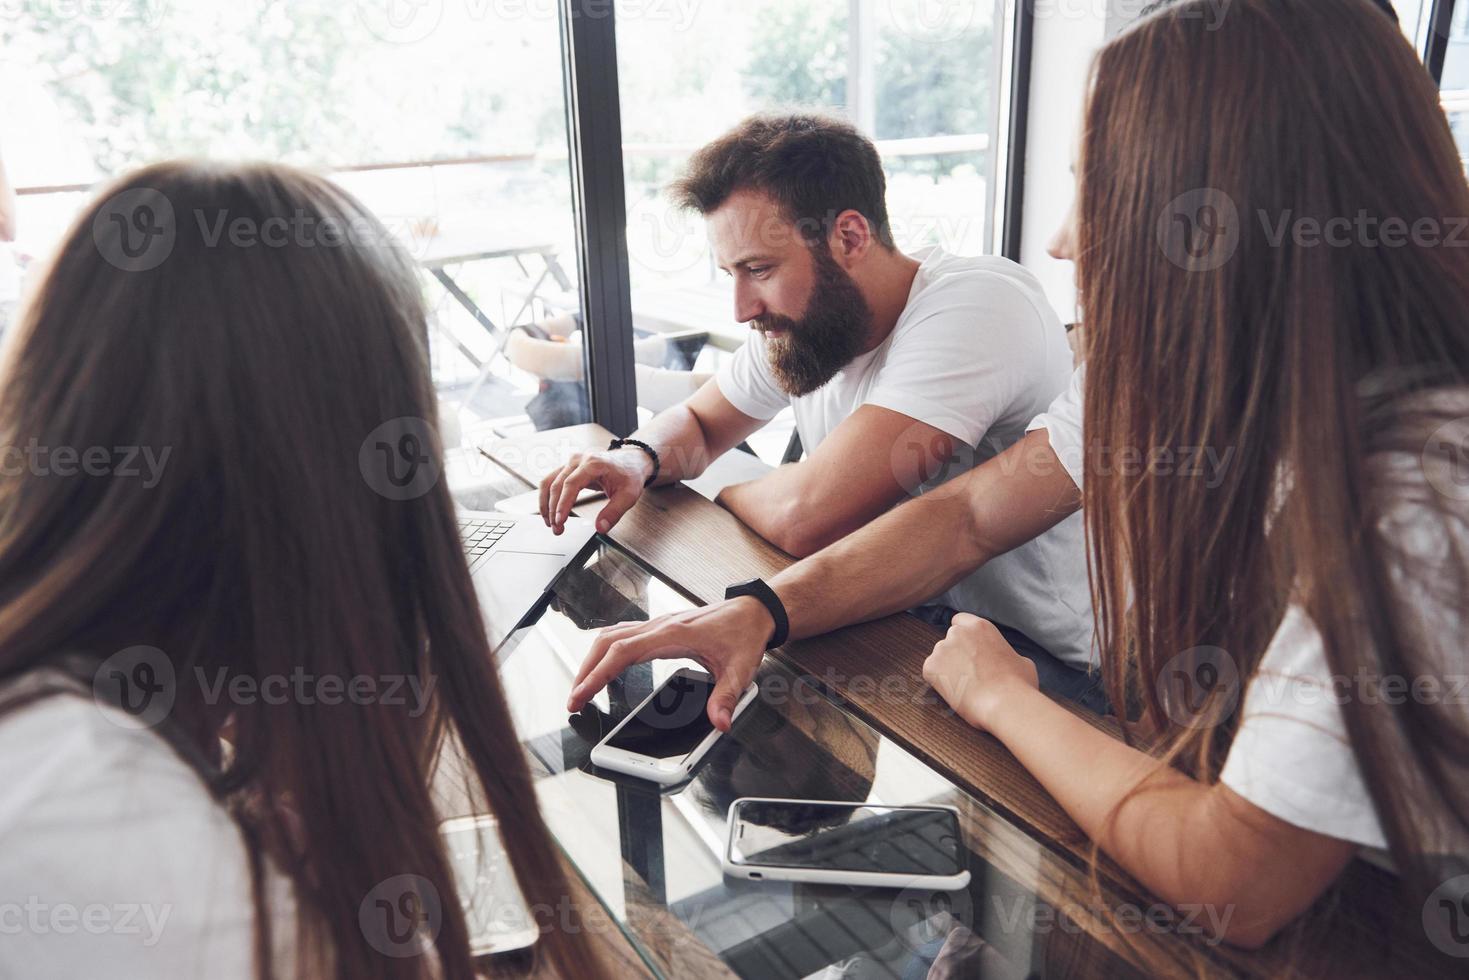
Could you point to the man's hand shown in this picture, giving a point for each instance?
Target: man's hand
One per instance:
(973, 667)
(727, 638)
(620, 474)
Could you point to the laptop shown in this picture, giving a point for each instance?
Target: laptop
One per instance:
(513, 560)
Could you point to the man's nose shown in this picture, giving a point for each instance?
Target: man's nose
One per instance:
(748, 306)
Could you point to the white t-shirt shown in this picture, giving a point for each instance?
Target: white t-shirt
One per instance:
(976, 353)
(1062, 422)
(116, 861)
(1291, 756)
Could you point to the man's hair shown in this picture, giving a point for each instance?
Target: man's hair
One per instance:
(813, 166)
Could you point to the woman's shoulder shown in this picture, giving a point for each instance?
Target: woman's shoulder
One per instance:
(125, 862)
(69, 747)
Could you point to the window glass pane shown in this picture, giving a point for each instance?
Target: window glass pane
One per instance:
(1413, 18)
(1455, 83)
(1456, 58)
(917, 77)
(447, 119)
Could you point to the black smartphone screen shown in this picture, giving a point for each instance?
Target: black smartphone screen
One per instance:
(848, 837)
(673, 723)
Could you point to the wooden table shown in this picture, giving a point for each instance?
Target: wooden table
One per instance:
(702, 548)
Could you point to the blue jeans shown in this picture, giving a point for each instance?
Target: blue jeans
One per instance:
(1056, 676)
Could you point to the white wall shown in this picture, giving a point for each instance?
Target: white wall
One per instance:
(1067, 35)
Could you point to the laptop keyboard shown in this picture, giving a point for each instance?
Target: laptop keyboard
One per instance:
(482, 535)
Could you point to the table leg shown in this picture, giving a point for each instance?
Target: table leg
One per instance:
(639, 812)
(640, 829)
(530, 296)
(558, 273)
(464, 300)
(468, 354)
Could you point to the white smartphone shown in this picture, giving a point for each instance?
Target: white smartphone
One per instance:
(669, 732)
(862, 844)
(494, 909)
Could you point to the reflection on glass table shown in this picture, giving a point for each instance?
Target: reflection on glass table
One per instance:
(651, 855)
(846, 844)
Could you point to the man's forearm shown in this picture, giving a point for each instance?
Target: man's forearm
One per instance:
(777, 506)
(909, 555)
(679, 440)
(923, 548)
(755, 507)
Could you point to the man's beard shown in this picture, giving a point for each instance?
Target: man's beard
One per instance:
(829, 334)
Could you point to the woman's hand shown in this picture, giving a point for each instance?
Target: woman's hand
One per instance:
(973, 669)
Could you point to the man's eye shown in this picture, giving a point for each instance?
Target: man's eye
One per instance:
(759, 271)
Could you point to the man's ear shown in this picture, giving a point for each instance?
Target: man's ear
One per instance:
(851, 238)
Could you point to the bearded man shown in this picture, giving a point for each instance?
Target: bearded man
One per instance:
(902, 371)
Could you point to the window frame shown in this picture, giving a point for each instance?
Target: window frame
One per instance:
(594, 135)
(1012, 126)
(1435, 47)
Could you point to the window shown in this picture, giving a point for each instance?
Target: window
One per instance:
(447, 119)
(1455, 81)
(1417, 20)
(1413, 18)
(920, 78)
(450, 121)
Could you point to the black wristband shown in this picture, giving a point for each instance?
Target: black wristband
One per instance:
(652, 453)
(757, 589)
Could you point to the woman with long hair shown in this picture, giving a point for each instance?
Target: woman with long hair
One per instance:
(231, 652)
(1265, 249)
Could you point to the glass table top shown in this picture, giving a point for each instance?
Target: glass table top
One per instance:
(651, 855)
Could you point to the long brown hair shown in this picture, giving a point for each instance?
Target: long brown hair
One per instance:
(1301, 366)
(277, 329)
